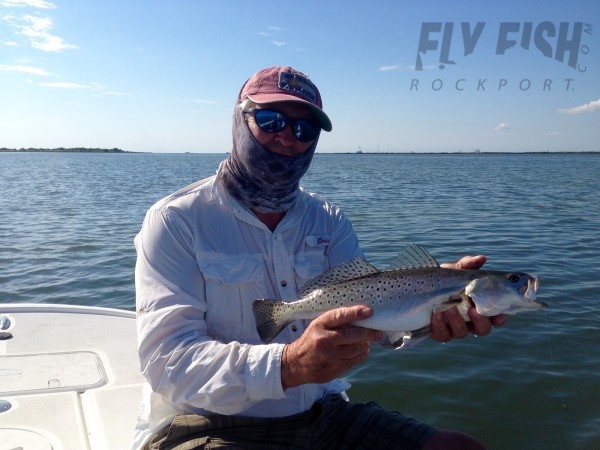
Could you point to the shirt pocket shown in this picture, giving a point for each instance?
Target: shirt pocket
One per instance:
(231, 284)
(310, 263)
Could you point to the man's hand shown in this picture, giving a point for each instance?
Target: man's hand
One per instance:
(449, 324)
(328, 348)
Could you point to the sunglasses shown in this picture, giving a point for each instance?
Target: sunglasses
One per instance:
(271, 121)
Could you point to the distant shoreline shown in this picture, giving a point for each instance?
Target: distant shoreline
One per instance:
(64, 150)
(357, 153)
(566, 152)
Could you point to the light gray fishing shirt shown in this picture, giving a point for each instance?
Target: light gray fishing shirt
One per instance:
(202, 259)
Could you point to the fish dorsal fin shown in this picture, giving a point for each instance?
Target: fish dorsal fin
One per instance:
(355, 268)
(413, 256)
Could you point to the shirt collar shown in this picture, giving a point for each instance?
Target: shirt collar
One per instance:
(291, 218)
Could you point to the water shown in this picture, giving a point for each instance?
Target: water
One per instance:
(67, 224)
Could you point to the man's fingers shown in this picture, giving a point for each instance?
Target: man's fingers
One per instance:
(439, 329)
(499, 320)
(353, 335)
(353, 352)
(447, 325)
(456, 323)
(341, 317)
(480, 325)
(467, 263)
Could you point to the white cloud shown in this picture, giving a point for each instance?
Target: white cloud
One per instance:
(118, 94)
(25, 69)
(10, 43)
(502, 127)
(63, 85)
(388, 68)
(9, 18)
(270, 31)
(205, 102)
(279, 43)
(96, 88)
(37, 30)
(592, 106)
(32, 3)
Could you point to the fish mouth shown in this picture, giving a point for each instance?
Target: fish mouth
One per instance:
(529, 292)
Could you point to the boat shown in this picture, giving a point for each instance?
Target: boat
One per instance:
(69, 377)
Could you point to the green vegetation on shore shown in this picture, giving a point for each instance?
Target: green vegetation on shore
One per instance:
(65, 150)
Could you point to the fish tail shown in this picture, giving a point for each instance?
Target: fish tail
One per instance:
(269, 319)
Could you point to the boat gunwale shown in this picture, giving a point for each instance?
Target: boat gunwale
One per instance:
(57, 308)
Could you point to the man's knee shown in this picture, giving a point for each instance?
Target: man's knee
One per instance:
(452, 440)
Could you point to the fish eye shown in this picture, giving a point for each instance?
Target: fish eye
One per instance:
(514, 278)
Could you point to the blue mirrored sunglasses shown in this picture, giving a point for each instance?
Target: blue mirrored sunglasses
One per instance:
(271, 121)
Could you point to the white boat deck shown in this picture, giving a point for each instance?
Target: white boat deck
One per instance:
(69, 377)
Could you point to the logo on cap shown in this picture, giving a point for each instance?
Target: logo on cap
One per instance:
(297, 84)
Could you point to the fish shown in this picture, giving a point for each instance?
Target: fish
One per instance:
(402, 296)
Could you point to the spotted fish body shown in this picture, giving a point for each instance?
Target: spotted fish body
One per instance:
(402, 297)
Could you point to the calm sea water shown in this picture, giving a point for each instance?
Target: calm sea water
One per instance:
(67, 223)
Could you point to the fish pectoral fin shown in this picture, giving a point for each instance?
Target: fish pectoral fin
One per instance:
(413, 338)
(421, 332)
(453, 300)
(398, 340)
(392, 338)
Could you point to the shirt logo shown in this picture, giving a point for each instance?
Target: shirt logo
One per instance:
(323, 240)
(318, 241)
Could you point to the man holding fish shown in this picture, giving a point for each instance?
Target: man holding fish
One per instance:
(208, 253)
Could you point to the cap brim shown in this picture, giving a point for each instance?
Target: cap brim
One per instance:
(261, 99)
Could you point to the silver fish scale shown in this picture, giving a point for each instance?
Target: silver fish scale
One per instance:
(383, 288)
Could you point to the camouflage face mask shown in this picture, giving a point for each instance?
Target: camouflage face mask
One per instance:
(262, 180)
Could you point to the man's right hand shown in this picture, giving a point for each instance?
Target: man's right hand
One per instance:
(328, 348)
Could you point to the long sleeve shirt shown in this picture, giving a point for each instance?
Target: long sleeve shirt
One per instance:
(202, 259)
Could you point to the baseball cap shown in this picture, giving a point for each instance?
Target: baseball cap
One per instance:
(284, 84)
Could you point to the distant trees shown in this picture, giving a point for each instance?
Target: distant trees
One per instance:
(66, 150)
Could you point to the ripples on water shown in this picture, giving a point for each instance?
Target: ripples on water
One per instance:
(68, 221)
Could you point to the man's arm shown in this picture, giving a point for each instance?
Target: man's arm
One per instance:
(177, 356)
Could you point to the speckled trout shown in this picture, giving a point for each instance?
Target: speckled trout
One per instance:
(402, 297)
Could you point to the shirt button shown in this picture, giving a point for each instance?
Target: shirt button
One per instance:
(283, 283)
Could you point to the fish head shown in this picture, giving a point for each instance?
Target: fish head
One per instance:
(504, 293)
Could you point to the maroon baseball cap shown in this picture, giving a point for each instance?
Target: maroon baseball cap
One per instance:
(284, 84)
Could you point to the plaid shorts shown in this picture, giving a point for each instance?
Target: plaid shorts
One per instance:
(331, 423)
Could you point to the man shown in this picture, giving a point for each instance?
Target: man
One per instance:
(207, 251)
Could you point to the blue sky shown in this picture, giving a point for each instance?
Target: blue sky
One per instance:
(162, 76)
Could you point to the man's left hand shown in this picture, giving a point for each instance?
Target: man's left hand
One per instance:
(449, 324)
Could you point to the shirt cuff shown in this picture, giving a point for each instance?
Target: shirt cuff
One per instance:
(263, 372)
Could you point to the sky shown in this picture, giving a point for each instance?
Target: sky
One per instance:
(395, 76)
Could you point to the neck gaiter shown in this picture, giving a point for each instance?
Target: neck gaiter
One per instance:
(264, 181)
